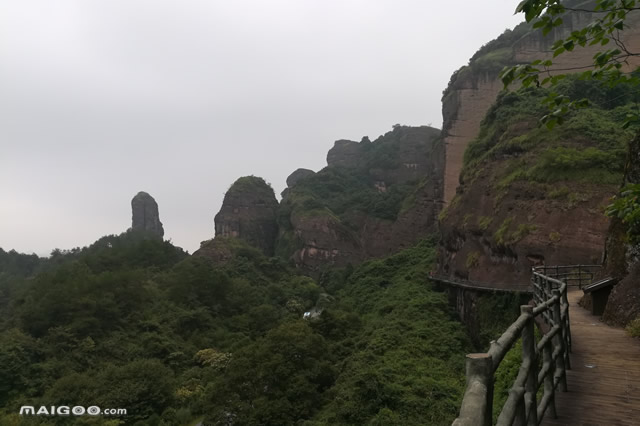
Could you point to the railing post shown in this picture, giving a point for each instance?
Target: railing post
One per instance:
(567, 324)
(559, 342)
(529, 356)
(549, 388)
(548, 292)
(479, 384)
(580, 277)
(521, 410)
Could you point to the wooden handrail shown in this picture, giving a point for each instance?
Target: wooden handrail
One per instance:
(544, 363)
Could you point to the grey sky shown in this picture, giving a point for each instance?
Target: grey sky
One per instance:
(100, 99)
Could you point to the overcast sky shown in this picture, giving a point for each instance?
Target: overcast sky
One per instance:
(100, 99)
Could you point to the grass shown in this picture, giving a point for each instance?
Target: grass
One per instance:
(522, 231)
(555, 237)
(466, 219)
(452, 205)
(252, 184)
(590, 147)
(558, 192)
(484, 222)
(501, 233)
(473, 259)
(633, 328)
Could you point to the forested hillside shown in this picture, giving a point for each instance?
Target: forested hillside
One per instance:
(132, 322)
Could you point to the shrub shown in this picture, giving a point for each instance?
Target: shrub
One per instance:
(484, 222)
(633, 328)
(473, 259)
(554, 237)
(500, 234)
(522, 231)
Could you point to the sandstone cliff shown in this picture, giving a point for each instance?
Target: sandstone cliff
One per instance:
(372, 199)
(473, 88)
(531, 196)
(504, 219)
(249, 213)
(622, 259)
(145, 215)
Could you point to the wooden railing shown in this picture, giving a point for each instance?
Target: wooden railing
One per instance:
(571, 274)
(544, 362)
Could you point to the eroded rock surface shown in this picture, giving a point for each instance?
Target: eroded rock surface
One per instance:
(249, 213)
(298, 175)
(145, 215)
(372, 199)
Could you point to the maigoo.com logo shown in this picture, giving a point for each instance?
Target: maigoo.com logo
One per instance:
(65, 410)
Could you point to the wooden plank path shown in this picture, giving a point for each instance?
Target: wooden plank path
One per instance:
(604, 380)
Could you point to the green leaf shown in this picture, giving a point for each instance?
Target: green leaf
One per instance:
(558, 51)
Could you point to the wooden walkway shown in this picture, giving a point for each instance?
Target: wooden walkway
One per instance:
(604, 382)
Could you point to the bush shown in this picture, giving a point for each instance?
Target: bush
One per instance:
(633, 328)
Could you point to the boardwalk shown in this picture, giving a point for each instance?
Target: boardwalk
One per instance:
(604, 382)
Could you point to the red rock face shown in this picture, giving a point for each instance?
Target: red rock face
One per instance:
(565, 233)
(474, 92)
(249, 213)
(318, 238)
(537, 231)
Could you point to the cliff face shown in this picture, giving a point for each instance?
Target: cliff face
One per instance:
(372, 199)
(623, 259)
(507, 216)
(474, 88)
(249, 213)
(531, 196)
(145, 215)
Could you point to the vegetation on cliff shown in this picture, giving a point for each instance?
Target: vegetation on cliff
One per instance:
(590, 147)
(524, 187)
(365, 185)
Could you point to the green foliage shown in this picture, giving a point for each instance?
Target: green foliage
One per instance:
(607, 66)
(493, 60)
(142, 386)
(627, 208)
(504, 377)
(590, 165)
(500, 236)
(495, 313)
(133, 323)
(484, 222)
(558, 192)
(339, 191)
(17, 264)
(589, 148)
(473, 259)
(522, 231)
(633, 328)
(375, 184)
(252, 184)
(406, 365)
(555, 237)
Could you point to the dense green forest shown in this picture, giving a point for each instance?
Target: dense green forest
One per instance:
(135, 323)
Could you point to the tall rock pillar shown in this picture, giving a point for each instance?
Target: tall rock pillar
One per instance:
(145, 216)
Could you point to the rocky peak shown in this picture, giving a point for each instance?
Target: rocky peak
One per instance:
(372, 199)
(249, 213)
(145, 215)
(298, 175)
(344, 153)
